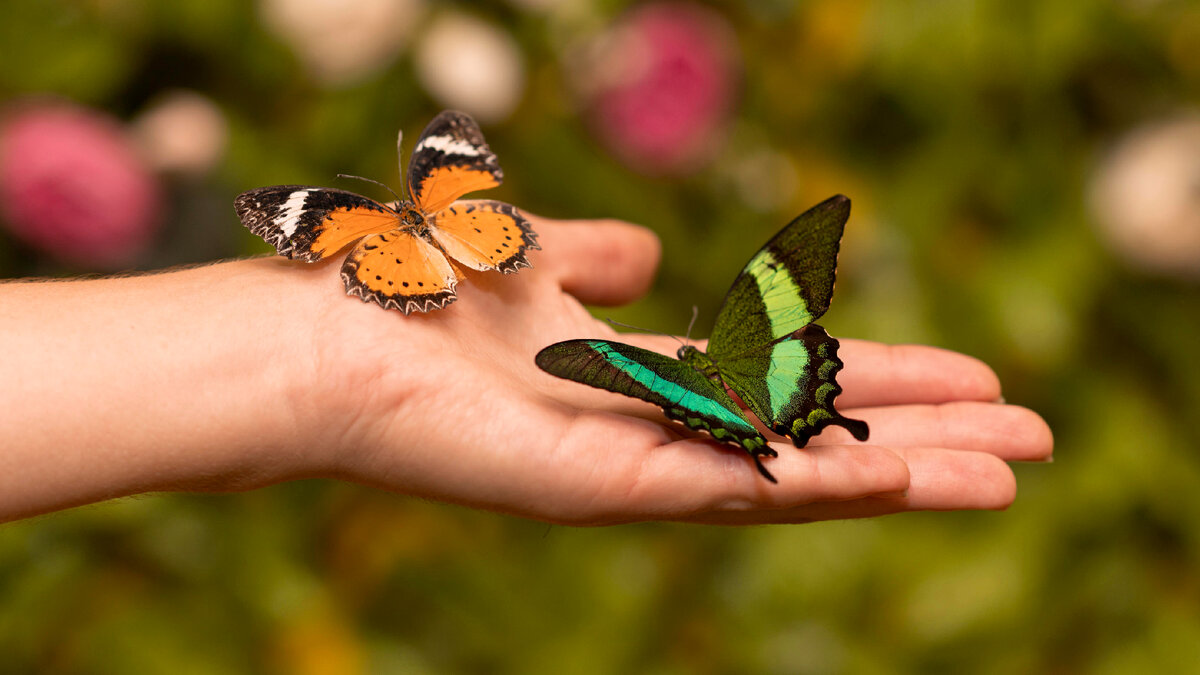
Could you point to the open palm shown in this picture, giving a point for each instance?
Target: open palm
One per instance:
(450, 406)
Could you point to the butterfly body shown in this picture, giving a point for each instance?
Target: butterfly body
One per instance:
(405, 254)
(764, 348)
(699, 361)
(411, 218)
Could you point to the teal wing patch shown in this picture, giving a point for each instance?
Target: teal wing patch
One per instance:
(786, 285)
(683, 393)
(790, 384)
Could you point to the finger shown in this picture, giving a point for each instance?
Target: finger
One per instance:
(940, 480)
(601, 262)
(878, 374)
(648, 475)
(1009, 432)
(726, 480)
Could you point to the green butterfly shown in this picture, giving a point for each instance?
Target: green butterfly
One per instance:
(764, 347)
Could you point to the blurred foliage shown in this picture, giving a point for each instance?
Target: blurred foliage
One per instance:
(964, 132)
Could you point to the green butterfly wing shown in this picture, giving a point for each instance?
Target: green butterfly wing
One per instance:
(764, 343)
(786, 285)
(790, 384)
(764, 346)
(683, 393)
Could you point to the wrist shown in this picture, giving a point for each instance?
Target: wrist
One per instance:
(260, 366)
(194, 379)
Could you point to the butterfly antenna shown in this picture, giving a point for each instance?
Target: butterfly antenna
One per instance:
(369, 180)
(642, 330)
(695, 313)
(400, 158)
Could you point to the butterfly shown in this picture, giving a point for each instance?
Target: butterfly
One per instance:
(764, 347)
(402, 258)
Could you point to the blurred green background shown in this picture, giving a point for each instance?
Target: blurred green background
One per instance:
(1026, 188)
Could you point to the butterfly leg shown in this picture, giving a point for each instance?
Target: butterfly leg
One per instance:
(756, 456)
(757, 448)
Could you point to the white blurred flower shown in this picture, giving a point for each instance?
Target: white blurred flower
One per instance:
(1146, 197)
(182, 132)
(343, 40)
(471, 65)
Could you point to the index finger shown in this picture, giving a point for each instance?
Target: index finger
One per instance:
(600, 262)
(878, 374)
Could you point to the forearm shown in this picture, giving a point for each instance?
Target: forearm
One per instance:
(188, 379)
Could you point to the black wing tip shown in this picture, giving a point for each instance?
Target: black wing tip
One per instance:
(800, 437)
(245, 206)
(550, 356)
(272, 189)
(452, 114)
(836, 208)
(837, 205)
(857, 428)
(545, 354)
(460, 122)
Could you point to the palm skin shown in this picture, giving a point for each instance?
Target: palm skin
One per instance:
(451, 406)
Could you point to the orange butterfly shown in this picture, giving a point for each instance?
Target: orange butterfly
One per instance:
(401, 260)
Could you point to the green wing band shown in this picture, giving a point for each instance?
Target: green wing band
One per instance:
(790, 385)
(683, 393)
(786, 285)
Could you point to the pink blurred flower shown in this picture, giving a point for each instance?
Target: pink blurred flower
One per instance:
(72, 186)
(661, 85)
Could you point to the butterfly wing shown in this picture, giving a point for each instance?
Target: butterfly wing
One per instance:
(787, 284)
(682, 392)
(790, 384)
(450, 160)
(311, 223)
(484, 235)
(400, 270)
(764, 343)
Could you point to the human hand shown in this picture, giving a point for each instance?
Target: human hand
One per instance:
(450, 406)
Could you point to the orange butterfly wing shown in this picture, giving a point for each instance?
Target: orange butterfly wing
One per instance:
(399, 262)
(400, 270)
(484, 235)
(450, 160)
(311, 223)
